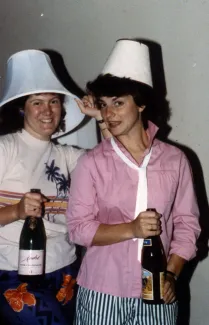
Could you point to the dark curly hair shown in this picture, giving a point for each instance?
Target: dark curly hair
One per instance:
(12, 120)
(111, 86)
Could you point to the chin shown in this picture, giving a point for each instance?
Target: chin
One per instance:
(116, 133)
(48, 133)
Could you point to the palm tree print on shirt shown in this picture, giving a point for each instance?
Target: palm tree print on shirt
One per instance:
(62, 186)
(54, 175)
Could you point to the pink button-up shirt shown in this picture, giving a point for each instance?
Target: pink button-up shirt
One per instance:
(104, 190)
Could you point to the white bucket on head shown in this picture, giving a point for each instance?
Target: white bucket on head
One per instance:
(129, 59)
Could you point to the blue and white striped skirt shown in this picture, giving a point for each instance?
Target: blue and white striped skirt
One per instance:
(94, 308)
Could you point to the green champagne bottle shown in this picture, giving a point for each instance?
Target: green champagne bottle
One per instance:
(32, 249)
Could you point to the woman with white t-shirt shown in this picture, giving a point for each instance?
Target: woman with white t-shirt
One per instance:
(41, 109)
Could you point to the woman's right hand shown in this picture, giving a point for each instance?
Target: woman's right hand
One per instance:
(146, 224)
(30, 205)
(88, 107)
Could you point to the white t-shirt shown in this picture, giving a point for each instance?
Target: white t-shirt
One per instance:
(25, 163)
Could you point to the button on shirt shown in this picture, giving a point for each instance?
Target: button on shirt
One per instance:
(104, 190)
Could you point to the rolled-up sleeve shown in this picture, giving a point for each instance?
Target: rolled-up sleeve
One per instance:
(185, 215)
(82, 206)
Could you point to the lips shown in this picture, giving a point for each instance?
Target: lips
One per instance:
(46, 121)
(113, 124)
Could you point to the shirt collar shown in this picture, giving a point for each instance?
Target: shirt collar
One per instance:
(151, 133)
(31, 140)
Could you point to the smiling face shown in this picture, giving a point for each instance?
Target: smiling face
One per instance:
(42, 114)
(121, 114)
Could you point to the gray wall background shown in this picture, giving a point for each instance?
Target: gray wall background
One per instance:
(84, 32)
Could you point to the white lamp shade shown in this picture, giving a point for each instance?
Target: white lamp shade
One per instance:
(129, 59)
(31, 72)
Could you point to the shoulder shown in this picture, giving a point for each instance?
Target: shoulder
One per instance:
(69, 150)
(8, 152)
(70, 154)
(170, 150)
(94, 153)
(94, 158)
(171, 156)
(8, 138)
(8, 142)
(101, 149)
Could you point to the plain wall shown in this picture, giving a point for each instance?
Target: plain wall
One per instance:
(84, 32)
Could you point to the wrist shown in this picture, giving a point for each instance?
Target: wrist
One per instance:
(15, 213)
(171, 275)
(102, 125)
(130, 230)
(98, 116)
(100, 121)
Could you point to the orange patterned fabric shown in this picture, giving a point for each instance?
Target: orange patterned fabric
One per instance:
(66, 292)
(20, 296)
(55, 205)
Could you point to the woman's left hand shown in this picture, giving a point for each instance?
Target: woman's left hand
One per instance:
(88, 107)
(169, 289)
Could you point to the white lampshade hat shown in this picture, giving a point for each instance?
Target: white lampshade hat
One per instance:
(129, 59)
(31, 72)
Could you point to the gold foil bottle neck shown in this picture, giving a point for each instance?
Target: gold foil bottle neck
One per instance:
(32, 223)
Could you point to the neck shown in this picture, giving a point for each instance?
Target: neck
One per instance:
(36, 135)
(135, 142)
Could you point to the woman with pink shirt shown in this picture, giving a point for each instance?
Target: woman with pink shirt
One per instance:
(112, 187)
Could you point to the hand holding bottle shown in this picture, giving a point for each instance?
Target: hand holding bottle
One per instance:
(169, 294)
(30, 205)
(146, 224)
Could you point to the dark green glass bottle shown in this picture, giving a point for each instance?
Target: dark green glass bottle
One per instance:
(153, 269)
(32, 249)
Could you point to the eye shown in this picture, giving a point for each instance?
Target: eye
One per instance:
(55, 101)
(118, 103)
(36, 103)
(101, 105)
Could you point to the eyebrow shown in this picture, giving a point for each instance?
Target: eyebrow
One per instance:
(34, 99)
(113, 98)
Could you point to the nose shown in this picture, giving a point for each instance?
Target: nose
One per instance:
(47, 108)
(109, 112)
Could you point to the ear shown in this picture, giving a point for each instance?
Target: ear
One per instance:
(141, 108)
(21, 111)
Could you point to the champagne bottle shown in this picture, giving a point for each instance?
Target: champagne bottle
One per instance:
(32, 247)
(153, 269)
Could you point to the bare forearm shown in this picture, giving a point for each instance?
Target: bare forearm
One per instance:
(8, 214)
(103, 128)
(112, 234)
(106, 133)
(138, 228)
(175, 264)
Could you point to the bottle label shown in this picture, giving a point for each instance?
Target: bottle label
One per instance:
(147, 285)
(31, 262)
(147, 242)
